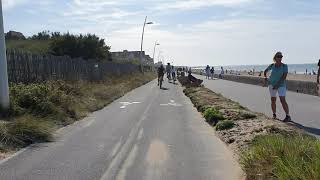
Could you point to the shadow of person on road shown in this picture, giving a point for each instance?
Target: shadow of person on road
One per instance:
(311, 130)
(165, 89)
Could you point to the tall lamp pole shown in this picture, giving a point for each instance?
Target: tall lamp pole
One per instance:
(154, 49)
(4, 87)
(160, 52)
(141, 56)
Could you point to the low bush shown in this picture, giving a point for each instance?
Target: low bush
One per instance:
(213, 116)
(283, 157)
(246, 115)
(224, 125)
(25, 131)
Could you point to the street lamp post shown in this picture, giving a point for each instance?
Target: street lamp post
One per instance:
(154, 49)
(141, 56)
(160, 52)
(4, 87)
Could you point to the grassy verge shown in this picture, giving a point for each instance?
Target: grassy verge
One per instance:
(35, 46)
(267, 149)
(37, 110)
(278, 156)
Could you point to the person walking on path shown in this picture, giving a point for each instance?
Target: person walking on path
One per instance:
(318, 75)
(277, 84)
(168, 71)
(212, 72)
(208, 72)
(318, 81)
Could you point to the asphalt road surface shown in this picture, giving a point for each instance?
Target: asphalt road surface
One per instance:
(148, 134)
(304, 109)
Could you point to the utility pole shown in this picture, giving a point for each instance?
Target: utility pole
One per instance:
(4, 87)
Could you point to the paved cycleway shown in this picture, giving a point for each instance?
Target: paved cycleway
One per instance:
(147, 134)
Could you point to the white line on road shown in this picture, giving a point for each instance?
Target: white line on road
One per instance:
(125, 104)
(116, 148)
(140, 134)
(128, 163)
(117, 161)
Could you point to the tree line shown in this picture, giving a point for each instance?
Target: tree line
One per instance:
(87, 46)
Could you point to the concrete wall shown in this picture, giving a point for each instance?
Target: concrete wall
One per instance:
(296, 86)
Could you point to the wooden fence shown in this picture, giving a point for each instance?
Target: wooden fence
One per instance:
(27, 67)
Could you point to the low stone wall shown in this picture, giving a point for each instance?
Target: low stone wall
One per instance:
(292, 85)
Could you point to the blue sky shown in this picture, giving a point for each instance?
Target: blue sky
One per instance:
(191, 32)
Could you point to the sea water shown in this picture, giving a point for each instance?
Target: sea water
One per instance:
(293, 68)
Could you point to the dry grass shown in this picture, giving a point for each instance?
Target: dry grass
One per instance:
(39, 109)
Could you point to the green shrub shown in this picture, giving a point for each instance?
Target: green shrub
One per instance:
(35, 98)
(246, 115)
(224, 125)
(283, 157)
(87, 46)
(204, 108)
(213, 116)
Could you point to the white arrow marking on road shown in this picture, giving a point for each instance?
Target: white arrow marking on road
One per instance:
(125, 104)
(171, 103)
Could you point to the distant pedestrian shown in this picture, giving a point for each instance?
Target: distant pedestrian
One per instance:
(221, 73)
(212, 72)
(306, 71)
(168, 71)
(173, 74)
(318, 76)
(277, 84)
(207, 72)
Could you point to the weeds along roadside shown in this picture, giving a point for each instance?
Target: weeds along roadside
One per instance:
(38, 109)
(266, 149)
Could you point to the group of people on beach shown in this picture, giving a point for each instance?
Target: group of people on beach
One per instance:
(209, 72)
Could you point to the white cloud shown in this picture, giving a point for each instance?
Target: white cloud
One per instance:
(196, 4)
(223, 42)
(95, 10)
(232, 39)
(7, 4)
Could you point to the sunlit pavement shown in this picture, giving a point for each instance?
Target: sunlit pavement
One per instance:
(147, 134)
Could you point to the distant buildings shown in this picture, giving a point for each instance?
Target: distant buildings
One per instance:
(131, 56)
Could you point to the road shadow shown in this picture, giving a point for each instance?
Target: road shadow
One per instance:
(165, 89)
(311, 130)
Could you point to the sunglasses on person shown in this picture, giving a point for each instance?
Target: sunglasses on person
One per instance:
(279, 56)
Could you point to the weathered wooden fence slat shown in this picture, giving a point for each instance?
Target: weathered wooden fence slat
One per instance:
(26, 67)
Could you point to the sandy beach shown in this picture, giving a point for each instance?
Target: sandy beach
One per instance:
(291, 76)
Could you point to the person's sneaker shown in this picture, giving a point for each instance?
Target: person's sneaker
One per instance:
(287, 119)
(274, 116)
